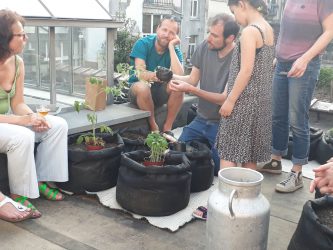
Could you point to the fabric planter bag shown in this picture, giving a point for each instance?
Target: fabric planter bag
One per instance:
(192, 113)
(324, 150)
(4, 184)
(315, 137)
(134, 139)
(153, 191)
(313, 231)
(93, 171)
(201, 164)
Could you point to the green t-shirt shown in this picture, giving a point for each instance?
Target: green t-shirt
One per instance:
(144, 49)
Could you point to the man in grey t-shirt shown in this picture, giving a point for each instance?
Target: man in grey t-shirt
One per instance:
(211, 62)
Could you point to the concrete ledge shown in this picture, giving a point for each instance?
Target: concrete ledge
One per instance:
(123, 115)
(113, 114)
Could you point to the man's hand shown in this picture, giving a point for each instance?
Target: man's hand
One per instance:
(174, 42)
(298, 68)
(179, 86)
(227, 108)
(323, 178)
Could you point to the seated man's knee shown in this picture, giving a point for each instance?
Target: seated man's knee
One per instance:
(141, 89)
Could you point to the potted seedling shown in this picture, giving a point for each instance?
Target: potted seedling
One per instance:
(91, 140)
(157, 145)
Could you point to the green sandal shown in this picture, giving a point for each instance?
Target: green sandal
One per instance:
(25, 202)
(51, 194)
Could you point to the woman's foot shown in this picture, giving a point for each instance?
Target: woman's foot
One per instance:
(25, 202)
(49, 193)
(12, 211)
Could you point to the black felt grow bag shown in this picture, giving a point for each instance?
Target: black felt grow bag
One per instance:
(201, 164)
(310, 233)
(93, 170)
(315, 138)
(134, 139)
(153, 191)
(4, 185)
(324, 150)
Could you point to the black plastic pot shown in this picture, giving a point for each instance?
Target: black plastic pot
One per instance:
(153, 191)
(163, 74)
(315, 137)
(93, 171)
(324, 150)
(311, 233)
(201, 164)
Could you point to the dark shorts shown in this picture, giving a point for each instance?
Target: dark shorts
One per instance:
(158, 93)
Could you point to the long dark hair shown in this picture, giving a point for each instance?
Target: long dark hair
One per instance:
(260, 5)
(7, 19)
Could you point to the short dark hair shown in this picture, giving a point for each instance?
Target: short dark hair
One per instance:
(171, 18)
(7, 19)
(230, 27)
(259, 5)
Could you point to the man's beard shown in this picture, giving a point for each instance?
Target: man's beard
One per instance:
(219, 49)
(160, 43)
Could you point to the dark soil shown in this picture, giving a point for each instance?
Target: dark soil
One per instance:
(325, 216)
(132, 135)
(82, 147)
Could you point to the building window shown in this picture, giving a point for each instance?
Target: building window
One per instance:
(194, 8)
(191, 47)
(150, 23)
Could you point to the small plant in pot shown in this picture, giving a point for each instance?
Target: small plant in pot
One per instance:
(91, 140)
(157, 145)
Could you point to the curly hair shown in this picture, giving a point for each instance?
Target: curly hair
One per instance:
(259, 5)
(7, 19)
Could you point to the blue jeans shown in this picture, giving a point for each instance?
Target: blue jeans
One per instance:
(202, 130)
(291, 103)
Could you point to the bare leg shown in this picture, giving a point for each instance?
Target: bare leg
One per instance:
(174, 105)
(297, 168)
(251, 165)
(227, 164)
(145, 102)
(277, 157)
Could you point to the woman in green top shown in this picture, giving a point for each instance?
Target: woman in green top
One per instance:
(20, 129)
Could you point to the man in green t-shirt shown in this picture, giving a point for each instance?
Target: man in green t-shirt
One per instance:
(147, 91)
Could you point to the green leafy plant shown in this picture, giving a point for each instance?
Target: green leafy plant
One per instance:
(325, 77)
(158, 145)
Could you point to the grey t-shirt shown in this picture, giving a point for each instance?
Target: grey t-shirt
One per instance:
(214, 73)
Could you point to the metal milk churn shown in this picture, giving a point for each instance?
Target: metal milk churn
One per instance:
(238, 214)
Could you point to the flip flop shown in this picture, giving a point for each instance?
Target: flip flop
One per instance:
(18, 207)
(169, 136)
(50, 193)
(23, 200)
(200, 213)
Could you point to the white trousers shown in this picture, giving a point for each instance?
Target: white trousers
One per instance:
(51, 163)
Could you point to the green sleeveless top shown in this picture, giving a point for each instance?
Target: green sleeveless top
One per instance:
(6, 96)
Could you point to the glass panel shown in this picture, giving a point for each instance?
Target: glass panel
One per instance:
(43, 41)
(156, 21)
(89, 55)
(146, 23)
(63, 62)
(25, 8)
(30, 57)
(88, 9)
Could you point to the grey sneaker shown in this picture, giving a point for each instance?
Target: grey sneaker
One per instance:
(293, 182)
(273, 167)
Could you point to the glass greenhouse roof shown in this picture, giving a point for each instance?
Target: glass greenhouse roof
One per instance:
(62, 12)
